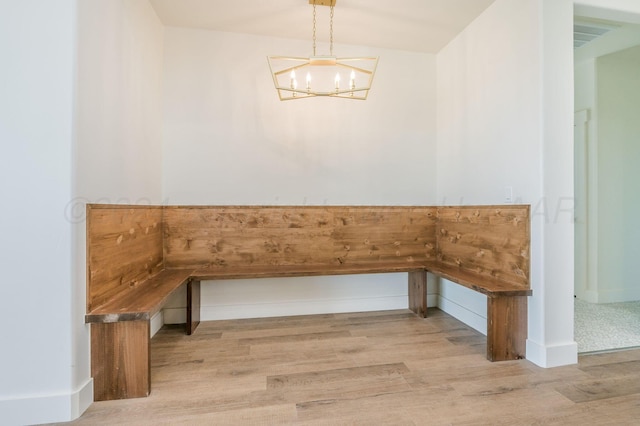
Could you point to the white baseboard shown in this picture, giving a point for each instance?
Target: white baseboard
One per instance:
(157, 321)
(618, 295)
(175, 315)
(432, 301)
(588, 296)
(304, 307)
(472, 319)
(610, 296)
(82, 399)
(552, 356)
(178, 315)
(47, 408)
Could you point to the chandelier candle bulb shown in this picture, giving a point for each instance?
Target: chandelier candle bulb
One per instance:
(308, 81)
(338, 81)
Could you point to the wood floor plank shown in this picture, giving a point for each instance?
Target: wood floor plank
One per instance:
(598, 389)
(441, 375)
(499, 409)
(366, 410)
(281, 331)
(266, 415)
(610, 357)
(294, 337)
(624, 368)
(317, 378)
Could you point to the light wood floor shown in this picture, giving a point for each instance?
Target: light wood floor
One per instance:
(367, 368)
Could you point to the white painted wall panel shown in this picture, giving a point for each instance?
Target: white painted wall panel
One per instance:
(36, 176)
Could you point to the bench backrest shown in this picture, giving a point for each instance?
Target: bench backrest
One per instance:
(128, 244)
(124, 247)
(491, 241)
(202, 237)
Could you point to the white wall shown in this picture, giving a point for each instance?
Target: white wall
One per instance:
(229, 140)
(80, 121)
(119, 150)
(37, 47)
(503, 121)
(618, 87)
(585, 85)
(488, 108)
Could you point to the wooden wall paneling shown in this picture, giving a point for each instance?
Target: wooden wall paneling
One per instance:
(498, 248)
(124, 247)
(120, 362)
(485, 214)
(388, 233)
(385, 234)
(205, 237)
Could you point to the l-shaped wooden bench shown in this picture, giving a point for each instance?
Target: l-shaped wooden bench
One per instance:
(138, 256)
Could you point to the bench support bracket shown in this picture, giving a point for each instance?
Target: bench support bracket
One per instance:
(120, 353)
(506, 328)
(193, 306)
(418, 293)
(120, 360)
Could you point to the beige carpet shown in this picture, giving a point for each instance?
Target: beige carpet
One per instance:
(606, 326)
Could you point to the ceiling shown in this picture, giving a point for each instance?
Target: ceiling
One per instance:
(414, 25)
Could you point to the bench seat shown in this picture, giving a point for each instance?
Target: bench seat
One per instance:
(281, 271)
(120, 333)
(142, 301)
(506, 310)
(489, 286)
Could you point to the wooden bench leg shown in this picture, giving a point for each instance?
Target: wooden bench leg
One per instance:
(120, 363)
(506, 328)
(193, 306)
(418, 293)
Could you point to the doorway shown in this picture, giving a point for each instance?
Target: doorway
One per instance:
(606, 158)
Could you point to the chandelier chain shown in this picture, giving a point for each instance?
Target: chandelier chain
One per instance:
(314, 29)
(331, 33)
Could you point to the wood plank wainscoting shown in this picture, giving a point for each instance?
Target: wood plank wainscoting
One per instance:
(137, 256)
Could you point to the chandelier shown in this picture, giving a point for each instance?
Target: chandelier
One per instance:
(298, 78)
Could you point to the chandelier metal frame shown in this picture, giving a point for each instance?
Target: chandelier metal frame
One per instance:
(361, 70)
